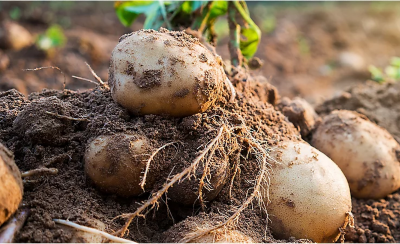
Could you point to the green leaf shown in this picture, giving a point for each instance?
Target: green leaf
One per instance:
(127, 12)
(376, 74)
(249, 41)
(218, 8)
(189, 7)
(15, 13)
(53, 37)
(395, 62)
(152, 14)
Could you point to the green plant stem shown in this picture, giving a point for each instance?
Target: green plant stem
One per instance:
(234, 36)
(164, 14)
(205, 20)
(246, 17)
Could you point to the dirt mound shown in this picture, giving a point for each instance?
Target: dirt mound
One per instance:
(52, 129)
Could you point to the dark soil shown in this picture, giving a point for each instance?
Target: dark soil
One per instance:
(302, 57)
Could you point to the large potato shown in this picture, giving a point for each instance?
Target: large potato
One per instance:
(116, 163)
(164, 72)
(308, 194)
(11, 189)
(367, 154)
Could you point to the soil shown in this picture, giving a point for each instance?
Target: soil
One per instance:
(305, 49)
(60, 123)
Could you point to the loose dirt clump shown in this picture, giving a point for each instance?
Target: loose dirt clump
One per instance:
(58, 125)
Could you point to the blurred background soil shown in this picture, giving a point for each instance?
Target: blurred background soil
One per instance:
(312, 50)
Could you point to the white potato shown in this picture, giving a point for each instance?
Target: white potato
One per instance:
(116, 163)
(11, 188)
(308, 194)
(224, 236)
(164, 72)
(366, 153)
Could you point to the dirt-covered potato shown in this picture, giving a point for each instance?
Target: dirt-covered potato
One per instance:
(79, 236)
(13, 36)
(308, 194)
(366, 153)
(115, 163)
(11, 189)
(186, 229)
(164, 72)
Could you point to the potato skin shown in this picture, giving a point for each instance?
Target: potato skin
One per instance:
(115, 163)
(366, 153)
(11, 189)
(164, 72)
(308, 194)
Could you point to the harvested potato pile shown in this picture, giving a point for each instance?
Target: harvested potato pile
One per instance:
(144, 172)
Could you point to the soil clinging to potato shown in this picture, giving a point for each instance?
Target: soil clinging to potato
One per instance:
(62, 123)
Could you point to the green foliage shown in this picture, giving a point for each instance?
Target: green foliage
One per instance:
(198, 15)
(391, 72)
(15, 13)
(52, 38)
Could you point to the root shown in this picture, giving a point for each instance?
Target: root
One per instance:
(40, 171)
(237, 169)
(232, 90)
(81, 78)
(95, 75)
(8, 232)
(348, 221)
(66, 117)
(201, 183)
(50, 67)
(143, 182)
(156, 196)
(255, 194)
(92, 230)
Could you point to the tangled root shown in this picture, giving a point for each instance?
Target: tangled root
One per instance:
(233, 135)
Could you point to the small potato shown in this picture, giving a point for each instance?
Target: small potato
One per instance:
(184, 231)
(224, 236)
(79, 236)
(164, 72)
(14, 36)
(366, 153)
(308, 194)
(11, 188)
(116, 163)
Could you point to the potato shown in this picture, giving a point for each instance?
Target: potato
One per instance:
(115, 163)
(14, 36)
(11, 188)
(164, 72)
(79, 236)
(366, 153)
(186, 229)
(308, 194)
